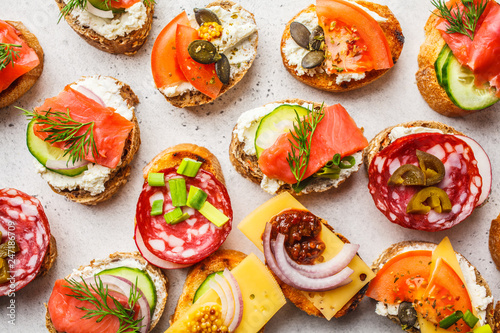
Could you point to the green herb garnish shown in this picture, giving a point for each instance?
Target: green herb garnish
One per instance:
(82, 4)
(461, 21)
(61, 127)
(97, 294)
(8, 54)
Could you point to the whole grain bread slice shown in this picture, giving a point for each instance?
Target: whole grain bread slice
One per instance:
(154, 272)
(196, 98)
(392, 31)
(50, 257)
(400, 247)
(128, 44)
(24, 83)
(118, 176)
(494, 241)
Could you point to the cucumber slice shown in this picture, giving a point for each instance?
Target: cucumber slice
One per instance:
(144, 282)
(204, 287)
(440, 61)
(458, 81)
(274, 124)
(43, 151)
(101, 4)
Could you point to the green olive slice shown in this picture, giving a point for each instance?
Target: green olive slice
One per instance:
(7, 248)
(203, 52)
(431, 166)
(4, 271)
(429, 198)
(407, 174)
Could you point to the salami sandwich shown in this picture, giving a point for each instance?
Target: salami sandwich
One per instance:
(27, 248)
(425, 175)
(184, 212)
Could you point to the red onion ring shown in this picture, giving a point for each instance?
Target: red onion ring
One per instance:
(268, 254)
(223, 298)
(90, 94)
(65, 165)
(98, 12)
(224, 284)
(238, 297)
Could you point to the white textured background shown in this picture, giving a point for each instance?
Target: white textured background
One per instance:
(84, 233)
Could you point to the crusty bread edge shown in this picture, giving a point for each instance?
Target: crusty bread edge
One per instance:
(24, 83)
(392, 31)
(152, 270)
(494, 241)
(118, 177)
(196, 98)
(397, 248)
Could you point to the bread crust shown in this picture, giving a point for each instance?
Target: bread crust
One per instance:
(50, 257)
(196, 98)
(152, 271)
(128, 44)
(118, 176)
(397, 248)
(24, 83)
(494, 242)
(392, 31)
(248, 165)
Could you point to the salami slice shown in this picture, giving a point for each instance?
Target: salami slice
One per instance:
(462, 181)
(189, 241)
(22, 219)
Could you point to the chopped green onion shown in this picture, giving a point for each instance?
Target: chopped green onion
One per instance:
(470, 319)
(157, 207)
(156, 179)
(175, 216)
(483, 329)
(347, 162)
(178, 191)
(196, 197)
(213, 214)
(336, 159)
(331, 173)
(451, 319)
(189, 167)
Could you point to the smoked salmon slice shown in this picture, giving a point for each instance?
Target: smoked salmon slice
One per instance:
(25, 61)
(336, 133)
(111, 130)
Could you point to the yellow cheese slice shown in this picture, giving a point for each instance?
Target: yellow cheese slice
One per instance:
(428, 327)
(262, 297)
(329, 302)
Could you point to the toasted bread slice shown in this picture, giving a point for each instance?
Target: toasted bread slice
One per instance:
(50, 257)
(382, 140)
(496, 328)
(159, 279)
(248, 166)
(323, 81)
(128, 44)
(398, 248)
(494, 241)
(24, 83)
(120, 174)
(196, 98)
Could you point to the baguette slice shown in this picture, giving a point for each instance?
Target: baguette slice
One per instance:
(120, 174)
(392, 31)
(494, 242)
(24, 83)
(97, 265)
(248, 166)
(128, 44)
(196, 98)
(397, 248)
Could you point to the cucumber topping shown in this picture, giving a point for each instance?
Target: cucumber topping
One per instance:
(204, 286)
(274, 124)
(440, 61)
(144, 282)
(44, 152)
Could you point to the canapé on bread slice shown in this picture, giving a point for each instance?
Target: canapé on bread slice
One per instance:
(392, 31)
(50, 257)
(115, 259)
(404, 246)
(24, 83)
(128, 44)
(196, 98)
(494, 242)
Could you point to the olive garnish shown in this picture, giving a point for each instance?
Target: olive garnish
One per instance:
(203, 52)
(316, 38)
(204, 15)
(431, 166)
(406, 175)
(407, 314)
(300, 34)
(313, 59)
(222, 68)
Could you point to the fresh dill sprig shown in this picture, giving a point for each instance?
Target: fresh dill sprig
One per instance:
(461, 21)
(97, 294)
(82, 4)
(8, 54)
(303, 130)
(61, 127)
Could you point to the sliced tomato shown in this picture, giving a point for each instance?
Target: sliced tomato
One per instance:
(355, 41)
(336, 133)
(122, 3)
(445, 294)
(25, 60)
(164, 64)
(401, 278)
(111, 130)
(202, 77)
